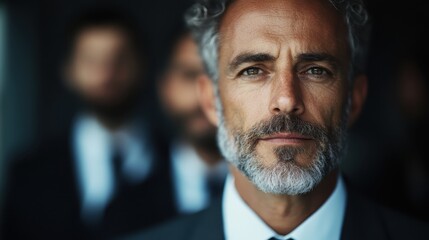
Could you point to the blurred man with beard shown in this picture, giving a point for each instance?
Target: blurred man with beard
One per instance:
(198, 170)
(106, 175)
(286, 81)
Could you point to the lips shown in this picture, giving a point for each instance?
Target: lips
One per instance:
(286, 137)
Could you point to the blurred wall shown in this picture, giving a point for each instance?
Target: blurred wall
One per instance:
(19, 96)
(2, 79)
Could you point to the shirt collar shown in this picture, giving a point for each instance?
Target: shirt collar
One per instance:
(241, 222)
(93, 146)
(185, 155)
(190, 174)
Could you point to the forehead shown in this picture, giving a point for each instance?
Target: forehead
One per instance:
(269, 25)
(101, 38)
(186, 48)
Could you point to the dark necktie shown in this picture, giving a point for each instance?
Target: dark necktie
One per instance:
(215, 185)
(118, 165)
(274, 238)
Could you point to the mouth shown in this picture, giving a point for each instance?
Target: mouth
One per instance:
(286, 138)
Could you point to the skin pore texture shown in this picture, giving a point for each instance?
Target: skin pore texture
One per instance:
(283, 61)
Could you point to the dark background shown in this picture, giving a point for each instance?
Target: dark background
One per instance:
(35, 105)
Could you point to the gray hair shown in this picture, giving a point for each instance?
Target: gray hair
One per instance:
(203, 19)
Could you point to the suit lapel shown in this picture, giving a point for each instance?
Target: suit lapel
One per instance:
(210, 224)
(362, 219)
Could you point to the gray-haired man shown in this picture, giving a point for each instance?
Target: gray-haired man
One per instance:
(287, 83)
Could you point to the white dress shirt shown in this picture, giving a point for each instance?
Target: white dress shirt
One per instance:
(189, 174)
(241, 222)
(93, 147)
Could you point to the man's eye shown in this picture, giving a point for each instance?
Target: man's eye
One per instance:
(251, 71)
(317, 71)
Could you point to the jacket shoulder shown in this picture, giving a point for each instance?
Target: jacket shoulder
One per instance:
(399, 226)
(190, 227)
(366, 219)
(178, 229)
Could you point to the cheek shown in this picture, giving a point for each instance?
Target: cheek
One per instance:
(324, 104)
(88, 75)
(181, 96)
(244, 105)
(81, 76)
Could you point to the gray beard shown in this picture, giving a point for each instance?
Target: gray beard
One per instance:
(285, 176)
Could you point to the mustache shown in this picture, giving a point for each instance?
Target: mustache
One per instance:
(284, 123)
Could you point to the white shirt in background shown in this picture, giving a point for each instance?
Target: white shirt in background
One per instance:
(94, 146)
(189, 174)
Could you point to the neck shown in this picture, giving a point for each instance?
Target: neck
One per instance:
(283, 213)
(112, 123)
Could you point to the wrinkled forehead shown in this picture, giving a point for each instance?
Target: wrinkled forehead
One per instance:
(315, 24)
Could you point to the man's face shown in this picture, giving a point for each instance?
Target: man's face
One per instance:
(179, 95)
(283, 91)
(103, 68)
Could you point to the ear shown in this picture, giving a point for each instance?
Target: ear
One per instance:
(207, 98)
(359, 92)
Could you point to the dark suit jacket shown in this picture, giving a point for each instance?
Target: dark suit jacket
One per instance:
(363, 220)
(43, 202)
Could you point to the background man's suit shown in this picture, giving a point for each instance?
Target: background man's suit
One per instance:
(43, 200)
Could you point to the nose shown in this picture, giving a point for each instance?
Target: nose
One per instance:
(286, 96)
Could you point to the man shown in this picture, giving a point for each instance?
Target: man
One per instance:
(287, 83)
(198, 171)
(106, 175)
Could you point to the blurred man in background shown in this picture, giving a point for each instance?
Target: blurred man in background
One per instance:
(105, 175)
(198, 171)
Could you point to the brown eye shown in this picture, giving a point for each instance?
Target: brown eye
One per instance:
(316, 71)
(251, 71)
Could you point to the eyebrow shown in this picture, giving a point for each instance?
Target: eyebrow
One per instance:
(265, 57)
(249, 58)
(317, 57)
